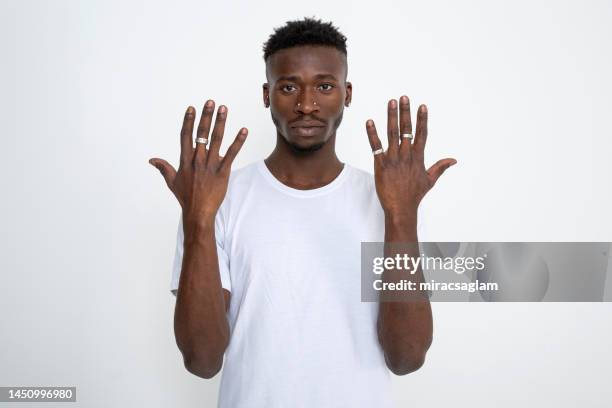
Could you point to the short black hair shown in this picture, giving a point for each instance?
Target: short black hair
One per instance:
(308, 31)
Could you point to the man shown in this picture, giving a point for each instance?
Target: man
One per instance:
(268, 258)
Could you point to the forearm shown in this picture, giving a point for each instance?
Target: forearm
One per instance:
(404, 324)
(200, 323)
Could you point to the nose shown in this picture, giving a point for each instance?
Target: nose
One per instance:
(305, 103)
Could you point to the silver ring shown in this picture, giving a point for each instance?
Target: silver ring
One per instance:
(378, 151)
(408, 135)
(201, 140)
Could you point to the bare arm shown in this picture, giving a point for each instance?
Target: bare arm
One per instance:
(404, 324)
(200, 324)
(200, 184)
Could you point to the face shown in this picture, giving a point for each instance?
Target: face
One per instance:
(306, 93)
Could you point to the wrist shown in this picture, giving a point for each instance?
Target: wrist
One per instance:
(198, 228)
(402, 216)
(401, 226)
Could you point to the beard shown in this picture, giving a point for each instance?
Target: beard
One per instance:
(304, 150)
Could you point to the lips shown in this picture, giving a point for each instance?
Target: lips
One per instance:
(308, 131)
(307, 124)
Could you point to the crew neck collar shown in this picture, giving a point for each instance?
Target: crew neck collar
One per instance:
(276, 183)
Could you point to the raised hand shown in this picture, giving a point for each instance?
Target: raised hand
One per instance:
(400, 175)
(200, 184)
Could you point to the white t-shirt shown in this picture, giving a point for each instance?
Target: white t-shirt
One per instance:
(299, 334)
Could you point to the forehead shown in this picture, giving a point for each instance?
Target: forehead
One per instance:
(306, 61)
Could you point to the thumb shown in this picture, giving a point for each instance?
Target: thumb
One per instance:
(439, 168)
(166, 170)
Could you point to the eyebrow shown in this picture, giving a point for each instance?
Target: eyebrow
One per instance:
(297, 78)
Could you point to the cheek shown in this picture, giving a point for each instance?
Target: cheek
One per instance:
(335, 101)
(333, 107)
(281, 114)
(282, 106)
(279, 111)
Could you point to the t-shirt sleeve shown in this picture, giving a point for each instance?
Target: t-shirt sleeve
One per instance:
(224, 270)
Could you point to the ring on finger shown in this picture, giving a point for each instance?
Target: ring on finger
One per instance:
(377, 151)
(407, 135)
(202, 140)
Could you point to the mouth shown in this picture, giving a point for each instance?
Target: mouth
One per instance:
(307, 124)
(307, 131)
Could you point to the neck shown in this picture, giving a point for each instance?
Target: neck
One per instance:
(304, 170)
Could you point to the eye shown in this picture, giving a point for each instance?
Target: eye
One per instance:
(288, 88)
(326, 87)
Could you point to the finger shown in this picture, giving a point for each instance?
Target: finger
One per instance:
(392, 127)
(405, 124)
(217, 135)
(187, 136)
(375, 143)
(166, 170)
(420, 137)
(439, 168)
(232, 151)
(203, 130)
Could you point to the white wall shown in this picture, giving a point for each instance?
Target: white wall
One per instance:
(519, 92)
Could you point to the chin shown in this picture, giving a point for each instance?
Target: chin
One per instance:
(306, 147)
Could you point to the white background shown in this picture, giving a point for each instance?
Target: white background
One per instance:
(518, 92)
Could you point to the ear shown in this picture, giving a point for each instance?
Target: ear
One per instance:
(266, 95)
(349, 94)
